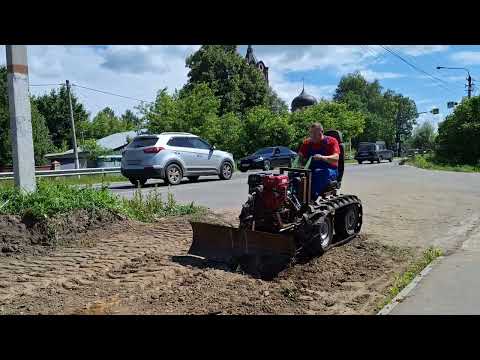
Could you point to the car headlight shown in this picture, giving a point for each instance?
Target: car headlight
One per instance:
(259, 159)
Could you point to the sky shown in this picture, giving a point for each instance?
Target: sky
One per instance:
(139, 71)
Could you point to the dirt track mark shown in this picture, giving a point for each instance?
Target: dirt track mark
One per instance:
(72, 267)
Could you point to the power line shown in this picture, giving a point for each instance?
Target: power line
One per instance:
(417, 68)
(113, 94)
(45, 84)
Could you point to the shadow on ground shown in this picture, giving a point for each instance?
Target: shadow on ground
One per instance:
(260, 267)
(160, 184)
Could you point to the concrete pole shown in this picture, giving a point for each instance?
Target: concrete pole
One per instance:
(72, 121)
(20, 118)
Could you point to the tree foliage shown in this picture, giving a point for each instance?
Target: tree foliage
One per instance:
(238, 85)
(459, 134)
(387, 113)
(54, 107)
(423, 137)
(106, 123)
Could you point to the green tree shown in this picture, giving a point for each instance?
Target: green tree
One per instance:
(386, 113)
(41, 138)
(262, 127)
(105, 123)
(187, 111)
(131, 120)
(94, 150)
(423, 137)
(225, 133)
(162, 114)
(238, 85)
(55, 109)
(331, 115)
(458, 134)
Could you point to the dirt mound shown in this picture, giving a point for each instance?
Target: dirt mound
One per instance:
(31, 236)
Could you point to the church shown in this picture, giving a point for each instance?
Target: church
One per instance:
(301, 101)
(260, 65)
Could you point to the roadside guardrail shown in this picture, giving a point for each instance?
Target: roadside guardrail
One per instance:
(69, 172)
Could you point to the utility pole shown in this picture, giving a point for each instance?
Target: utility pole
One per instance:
(397, 137)
(72, 121)
(469, 86)
(20, 118)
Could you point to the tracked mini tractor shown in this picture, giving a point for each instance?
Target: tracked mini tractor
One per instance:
(281, 219)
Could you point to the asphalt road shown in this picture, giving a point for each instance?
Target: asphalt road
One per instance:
(402, 205)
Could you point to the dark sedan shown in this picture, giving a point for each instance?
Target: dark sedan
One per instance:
(268, 158)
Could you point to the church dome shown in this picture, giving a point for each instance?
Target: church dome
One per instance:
(303, 100)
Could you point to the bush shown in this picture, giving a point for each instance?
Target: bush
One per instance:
(458, 136)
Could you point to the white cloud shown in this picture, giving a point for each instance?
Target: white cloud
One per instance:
(134, 71)
(312, 57)
(417, 50)
(140, 71)
(466, 57)
(371, 75)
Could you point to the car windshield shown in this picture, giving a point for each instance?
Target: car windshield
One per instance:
(263, 151)
(366, 147)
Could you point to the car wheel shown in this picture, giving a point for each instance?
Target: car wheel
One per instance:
(243, 170)
(226, 171)
(138, 182)
(266, 165)
(173, 174)
(379, 160)
(390, 159)
(371, 161)
(360, 161)
(193, 178)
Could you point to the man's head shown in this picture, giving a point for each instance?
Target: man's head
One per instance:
(316, 132)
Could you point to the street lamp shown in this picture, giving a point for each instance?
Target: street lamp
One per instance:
(469, 78)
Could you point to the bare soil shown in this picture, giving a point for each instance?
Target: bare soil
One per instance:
(28, 236)
(135, 268)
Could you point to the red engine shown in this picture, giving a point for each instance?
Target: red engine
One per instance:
(274, 191)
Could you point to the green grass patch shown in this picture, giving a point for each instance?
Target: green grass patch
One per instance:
(52, 199)
(148, 207)
(431, 163)
(413, 270)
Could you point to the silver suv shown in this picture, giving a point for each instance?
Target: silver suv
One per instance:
(171, 156)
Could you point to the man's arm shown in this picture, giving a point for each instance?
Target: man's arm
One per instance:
(334, 157)
(331, 159)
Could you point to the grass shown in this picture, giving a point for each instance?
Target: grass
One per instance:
(429, 162)
(151, 206)
(52, 199)
(412, 271)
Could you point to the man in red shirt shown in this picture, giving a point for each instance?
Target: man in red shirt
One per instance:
(324, 152)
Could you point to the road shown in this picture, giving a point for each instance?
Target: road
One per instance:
(402, 205)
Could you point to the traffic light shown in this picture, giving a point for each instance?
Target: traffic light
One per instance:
(434, 111)
(451, 104)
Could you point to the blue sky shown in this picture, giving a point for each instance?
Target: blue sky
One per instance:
(140, 71)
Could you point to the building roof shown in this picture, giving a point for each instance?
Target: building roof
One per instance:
(251, 59)
(118, 140)
(110, 142)
(303, 100)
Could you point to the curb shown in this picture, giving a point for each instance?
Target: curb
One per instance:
(407, 289)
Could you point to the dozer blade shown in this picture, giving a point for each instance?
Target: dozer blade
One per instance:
(218, 242)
